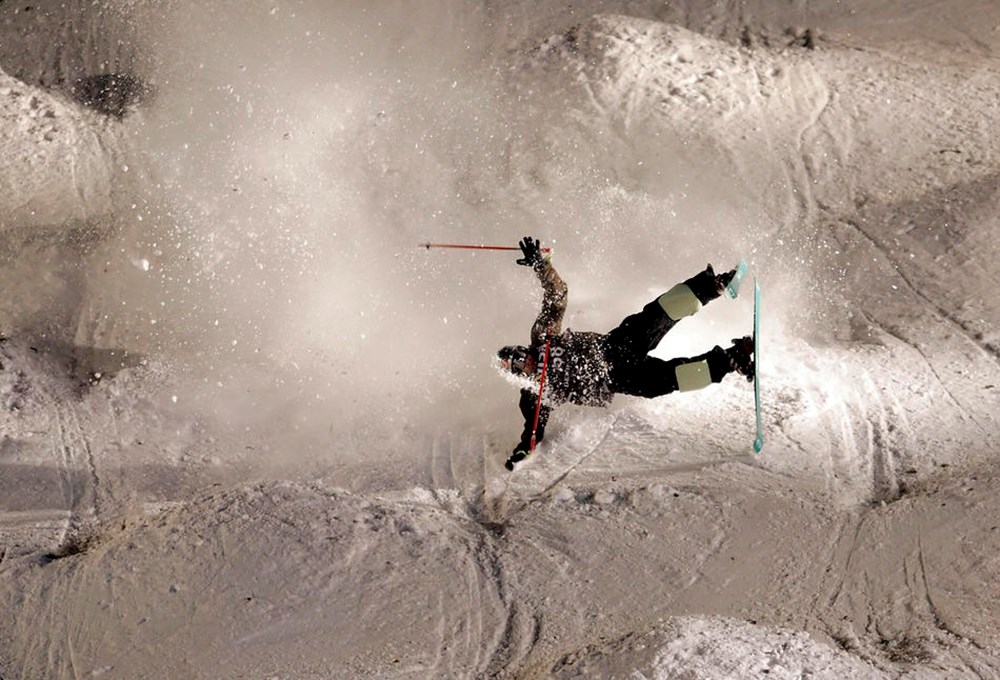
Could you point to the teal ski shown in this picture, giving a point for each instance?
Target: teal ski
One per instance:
(733, 287)
(758, 443)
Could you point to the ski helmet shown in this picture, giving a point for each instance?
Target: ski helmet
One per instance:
(513, 358)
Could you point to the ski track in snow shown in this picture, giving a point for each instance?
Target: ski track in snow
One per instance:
(940, 311)
(76, 465)
(51, 410)
(557, 569)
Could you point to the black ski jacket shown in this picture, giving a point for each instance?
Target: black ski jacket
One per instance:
(577, 372)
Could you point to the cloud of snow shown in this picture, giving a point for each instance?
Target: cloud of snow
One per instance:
(282, 179)
(280, 183)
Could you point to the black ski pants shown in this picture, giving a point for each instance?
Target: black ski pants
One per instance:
(634, 372)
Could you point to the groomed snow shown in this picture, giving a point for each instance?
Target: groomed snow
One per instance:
(249, 429)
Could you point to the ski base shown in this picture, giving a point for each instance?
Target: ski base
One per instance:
(733, 287)
(758, 442)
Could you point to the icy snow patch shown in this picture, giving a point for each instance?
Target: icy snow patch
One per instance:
(705, 649)
(55, 168)
(715, 648)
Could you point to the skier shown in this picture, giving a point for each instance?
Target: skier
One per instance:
(589, 368)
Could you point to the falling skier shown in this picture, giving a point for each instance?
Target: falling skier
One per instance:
(589, 368)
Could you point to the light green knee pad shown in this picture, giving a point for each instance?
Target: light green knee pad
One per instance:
(693, 376)
(679, 302)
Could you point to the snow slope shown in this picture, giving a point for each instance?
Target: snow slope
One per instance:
(251, 430)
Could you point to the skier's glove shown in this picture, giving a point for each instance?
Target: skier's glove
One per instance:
(722, 280)
(532, 253)
(707, 285)
(519, 454)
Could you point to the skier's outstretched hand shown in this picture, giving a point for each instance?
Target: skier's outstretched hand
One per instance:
(531, 248)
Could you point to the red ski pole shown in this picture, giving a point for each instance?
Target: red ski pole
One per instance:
(541, 389)
(472, 247)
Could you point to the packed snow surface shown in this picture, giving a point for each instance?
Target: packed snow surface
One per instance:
(251, 429)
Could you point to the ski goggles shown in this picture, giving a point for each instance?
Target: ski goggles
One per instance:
(514, 359)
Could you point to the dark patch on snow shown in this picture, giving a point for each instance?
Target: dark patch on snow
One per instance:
(802, 37)
(113, 94)
(559, 44)
(753, 37)
(906, 650)
(495, 529)
(75, 544)
(847, 644)
(489, 519)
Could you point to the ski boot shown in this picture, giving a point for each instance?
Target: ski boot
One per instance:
(741, 357)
